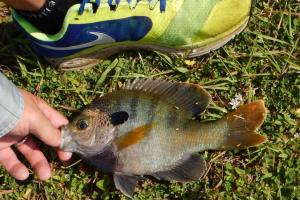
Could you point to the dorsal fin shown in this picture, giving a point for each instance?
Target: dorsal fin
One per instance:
(191, 97)
(132, 137)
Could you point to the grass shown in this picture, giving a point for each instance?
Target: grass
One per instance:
(262, 63)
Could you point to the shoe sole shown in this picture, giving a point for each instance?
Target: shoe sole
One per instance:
(95, 58)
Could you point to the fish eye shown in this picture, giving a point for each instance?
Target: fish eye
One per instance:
(82, 124)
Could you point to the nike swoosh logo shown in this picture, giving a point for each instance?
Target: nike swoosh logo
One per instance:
(102, 38)
(131, 29)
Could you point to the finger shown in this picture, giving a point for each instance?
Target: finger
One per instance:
(11, 163)
(36, 158)
(54, 116)
(64, 156)
(8, 140)
(42, 128)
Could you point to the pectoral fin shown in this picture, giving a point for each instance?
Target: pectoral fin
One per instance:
(190, 168)
(132, 137)
(126, 183)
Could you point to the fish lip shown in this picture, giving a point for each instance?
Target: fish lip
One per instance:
(69, 143)
(65, 137)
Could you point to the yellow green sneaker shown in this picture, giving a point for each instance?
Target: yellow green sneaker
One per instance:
(94, 30)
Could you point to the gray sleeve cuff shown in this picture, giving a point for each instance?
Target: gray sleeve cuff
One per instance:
(11, 105)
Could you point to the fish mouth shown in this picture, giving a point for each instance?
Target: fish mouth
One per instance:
(69, 143)
(65, 138)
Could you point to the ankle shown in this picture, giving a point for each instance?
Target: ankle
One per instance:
(26, 5)
(49, 18)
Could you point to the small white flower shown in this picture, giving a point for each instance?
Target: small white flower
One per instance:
(236, 101)
(239, 97)
(296, 135)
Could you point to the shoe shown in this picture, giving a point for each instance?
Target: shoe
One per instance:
(93, 31)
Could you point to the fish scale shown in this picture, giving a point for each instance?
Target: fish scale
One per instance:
(146, 104)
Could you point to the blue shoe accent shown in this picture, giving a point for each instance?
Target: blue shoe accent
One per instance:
(88, 35)
(163, 5)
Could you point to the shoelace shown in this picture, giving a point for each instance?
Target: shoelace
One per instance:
(132, 4)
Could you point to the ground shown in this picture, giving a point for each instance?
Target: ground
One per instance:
(261, 63)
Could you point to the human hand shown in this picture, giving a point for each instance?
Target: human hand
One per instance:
(42, 121)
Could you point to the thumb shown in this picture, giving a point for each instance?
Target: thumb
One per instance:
(54, 116)
(40, 116)
(42, 128)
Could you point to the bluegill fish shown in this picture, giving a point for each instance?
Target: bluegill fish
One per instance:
(149, 128)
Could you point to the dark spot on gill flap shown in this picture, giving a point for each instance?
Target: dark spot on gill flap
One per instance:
(119, 117)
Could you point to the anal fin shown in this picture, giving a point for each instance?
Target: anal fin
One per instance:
(126, 183)
(190, 168)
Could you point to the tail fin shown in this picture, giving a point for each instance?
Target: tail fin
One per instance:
(242, 125)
